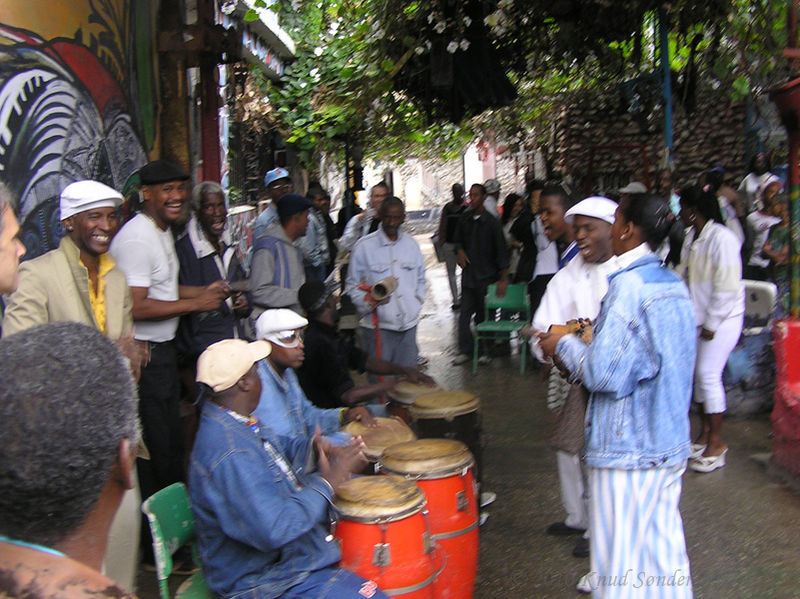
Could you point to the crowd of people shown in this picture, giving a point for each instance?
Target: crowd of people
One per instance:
(244, 379)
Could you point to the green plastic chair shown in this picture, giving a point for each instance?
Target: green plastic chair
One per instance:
(515, 301)
(172, 526)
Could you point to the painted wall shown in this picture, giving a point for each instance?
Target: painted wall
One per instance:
(77, 101)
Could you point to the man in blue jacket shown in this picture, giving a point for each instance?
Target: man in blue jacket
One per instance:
(262, 503)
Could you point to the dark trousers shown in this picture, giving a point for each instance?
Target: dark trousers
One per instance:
(536, 289)
(472, 304)
(159, 413)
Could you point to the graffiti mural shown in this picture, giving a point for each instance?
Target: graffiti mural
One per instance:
(74, 104)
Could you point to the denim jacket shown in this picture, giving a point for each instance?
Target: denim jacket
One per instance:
(258, 533)
(639, 369)
(285, 409)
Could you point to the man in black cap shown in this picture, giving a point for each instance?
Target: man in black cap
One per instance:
(144, 250)
(277, 269)
(325, 372)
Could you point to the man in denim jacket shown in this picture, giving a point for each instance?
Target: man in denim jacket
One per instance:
(261, 505)
(638, 368)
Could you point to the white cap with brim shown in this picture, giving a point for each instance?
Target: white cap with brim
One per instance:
(225, 362)
(87, 195)
(595, 207)
(274, 325)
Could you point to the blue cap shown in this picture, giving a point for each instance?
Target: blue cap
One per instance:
(292, 203)
(274, 175)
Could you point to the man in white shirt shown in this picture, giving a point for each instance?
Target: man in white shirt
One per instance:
(388, 252)
(144, 250)
(365, 222)
(492, 187)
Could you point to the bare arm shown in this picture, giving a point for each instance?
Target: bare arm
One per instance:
(200, 299)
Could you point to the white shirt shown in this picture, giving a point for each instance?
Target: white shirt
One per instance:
(146, 255)
(547, 255)
(490, 205)
(575, 291)
(760, 224)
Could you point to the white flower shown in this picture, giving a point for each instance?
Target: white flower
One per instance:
(431, 17)
(428, 44)
(313, 72)
(317, 51)
(452, 47)
(440, 27)
(464, 44)
(505, 4)
(467, 21)
(378, 35)
(419, 49)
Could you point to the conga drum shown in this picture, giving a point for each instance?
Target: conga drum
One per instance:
(450, 415)
(384, 535)
(389, 431)
(443, 470)
(403, 395)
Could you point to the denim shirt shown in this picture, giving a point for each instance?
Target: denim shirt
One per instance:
(284, 408)
(258, 534)
(639, 369)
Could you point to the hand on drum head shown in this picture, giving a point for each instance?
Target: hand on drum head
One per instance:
(417, 377)
(336, 464)
(360, 414)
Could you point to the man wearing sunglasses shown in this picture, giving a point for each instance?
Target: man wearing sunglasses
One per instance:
(283, 405)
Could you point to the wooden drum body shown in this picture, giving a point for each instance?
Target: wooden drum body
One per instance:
(450, 415)
(384, 535)
(443, 470)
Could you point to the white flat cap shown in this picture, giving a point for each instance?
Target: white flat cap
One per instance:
(225, 362)
(274, 325)
(86, 195)
(595, 207)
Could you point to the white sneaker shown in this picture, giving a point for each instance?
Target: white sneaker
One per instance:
(584, 584)
(461, 359)
(483, 518)
(485, 359)
(487, 498)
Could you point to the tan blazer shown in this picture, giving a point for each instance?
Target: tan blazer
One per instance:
(55, 287)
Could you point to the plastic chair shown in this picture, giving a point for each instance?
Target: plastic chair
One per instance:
(172, 526)
(515, 301)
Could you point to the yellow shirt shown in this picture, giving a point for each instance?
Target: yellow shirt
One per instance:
(99, 299)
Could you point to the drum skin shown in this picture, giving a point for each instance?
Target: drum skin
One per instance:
(443, 468)
(384, 536)
(389, 431)
(403, 395)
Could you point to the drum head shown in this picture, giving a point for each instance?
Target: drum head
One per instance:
(389, 431)
(405, 392)
(427, 458)
(444, 404)
(374, 499)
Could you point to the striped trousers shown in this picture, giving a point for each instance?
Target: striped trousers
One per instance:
(637, 544)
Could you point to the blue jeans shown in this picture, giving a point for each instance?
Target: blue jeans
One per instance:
(334, 583)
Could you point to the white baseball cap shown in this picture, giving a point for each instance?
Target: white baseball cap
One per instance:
(225, 362)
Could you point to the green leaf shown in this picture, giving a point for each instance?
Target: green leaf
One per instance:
(387, 65)
(251, 15)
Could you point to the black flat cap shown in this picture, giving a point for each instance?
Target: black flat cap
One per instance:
(160, 171)
(292, 203)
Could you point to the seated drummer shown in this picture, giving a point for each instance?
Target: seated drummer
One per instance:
(262, 512)
(283, 405)
(325, 373)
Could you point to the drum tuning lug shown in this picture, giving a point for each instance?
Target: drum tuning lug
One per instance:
(427, 542)
(381, 555)
(461, 501)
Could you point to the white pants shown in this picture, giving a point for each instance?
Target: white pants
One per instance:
(712, 355)
(637, 546)
(572, 477)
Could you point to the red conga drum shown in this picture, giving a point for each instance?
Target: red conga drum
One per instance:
(389, 431)
(403, 395)
(384, 535)
(443, 470)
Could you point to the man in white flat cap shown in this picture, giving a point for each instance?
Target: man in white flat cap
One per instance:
(575, 292)
(79, 282)
(283, 406)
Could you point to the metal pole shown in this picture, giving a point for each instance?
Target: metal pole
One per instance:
(663, 30)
